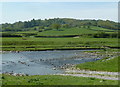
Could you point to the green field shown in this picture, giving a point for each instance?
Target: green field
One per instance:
(53, 80)
(29, 43)
(69, 31)
(83, 39)
(101, 65)
(101, 29)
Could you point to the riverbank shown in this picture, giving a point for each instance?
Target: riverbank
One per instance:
(50, 49)
(106, 68)
(106, 64)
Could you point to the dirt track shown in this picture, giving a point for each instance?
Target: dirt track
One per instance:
(94, 74)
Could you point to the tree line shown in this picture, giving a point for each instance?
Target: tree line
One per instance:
(57, 23)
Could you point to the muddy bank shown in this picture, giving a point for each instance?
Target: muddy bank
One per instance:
(51, 49)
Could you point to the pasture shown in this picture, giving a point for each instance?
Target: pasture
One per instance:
(32, 43)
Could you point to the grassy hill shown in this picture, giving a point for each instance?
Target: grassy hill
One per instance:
(74, 31)
(68, 31)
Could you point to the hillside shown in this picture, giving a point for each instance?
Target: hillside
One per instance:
(56, 23)
(59, 33)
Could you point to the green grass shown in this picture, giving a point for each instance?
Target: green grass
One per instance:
(56, 43)
(64, 31)
(101, 65)
(82, 42)
(70, 31)
(73, 31)
(31, 31)
(101, 29)
(53, 80)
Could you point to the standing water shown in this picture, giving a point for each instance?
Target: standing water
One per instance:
(43, 62)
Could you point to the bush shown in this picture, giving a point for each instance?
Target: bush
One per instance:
(10, 35)
(101, 35)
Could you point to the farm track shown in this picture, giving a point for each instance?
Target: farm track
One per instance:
(94, 74)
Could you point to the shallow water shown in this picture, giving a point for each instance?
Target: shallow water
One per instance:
(43, 62)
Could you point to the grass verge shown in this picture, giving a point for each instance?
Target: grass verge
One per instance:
(54, 80)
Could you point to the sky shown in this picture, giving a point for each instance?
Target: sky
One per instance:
(59, 0)
(23, 11)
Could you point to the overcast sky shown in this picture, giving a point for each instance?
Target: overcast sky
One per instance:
(23, 11)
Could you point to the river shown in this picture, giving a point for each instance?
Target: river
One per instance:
(43, 62)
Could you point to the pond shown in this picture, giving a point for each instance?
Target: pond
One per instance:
(43, 62)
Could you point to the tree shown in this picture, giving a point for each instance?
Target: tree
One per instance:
(41, 27)
(88, 25)
(33, 23)
(65, 25)
(101, 35)
(56, 26)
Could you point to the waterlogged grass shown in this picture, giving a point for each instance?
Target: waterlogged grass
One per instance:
(53, 80)
(56, 43)
(105, 64)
